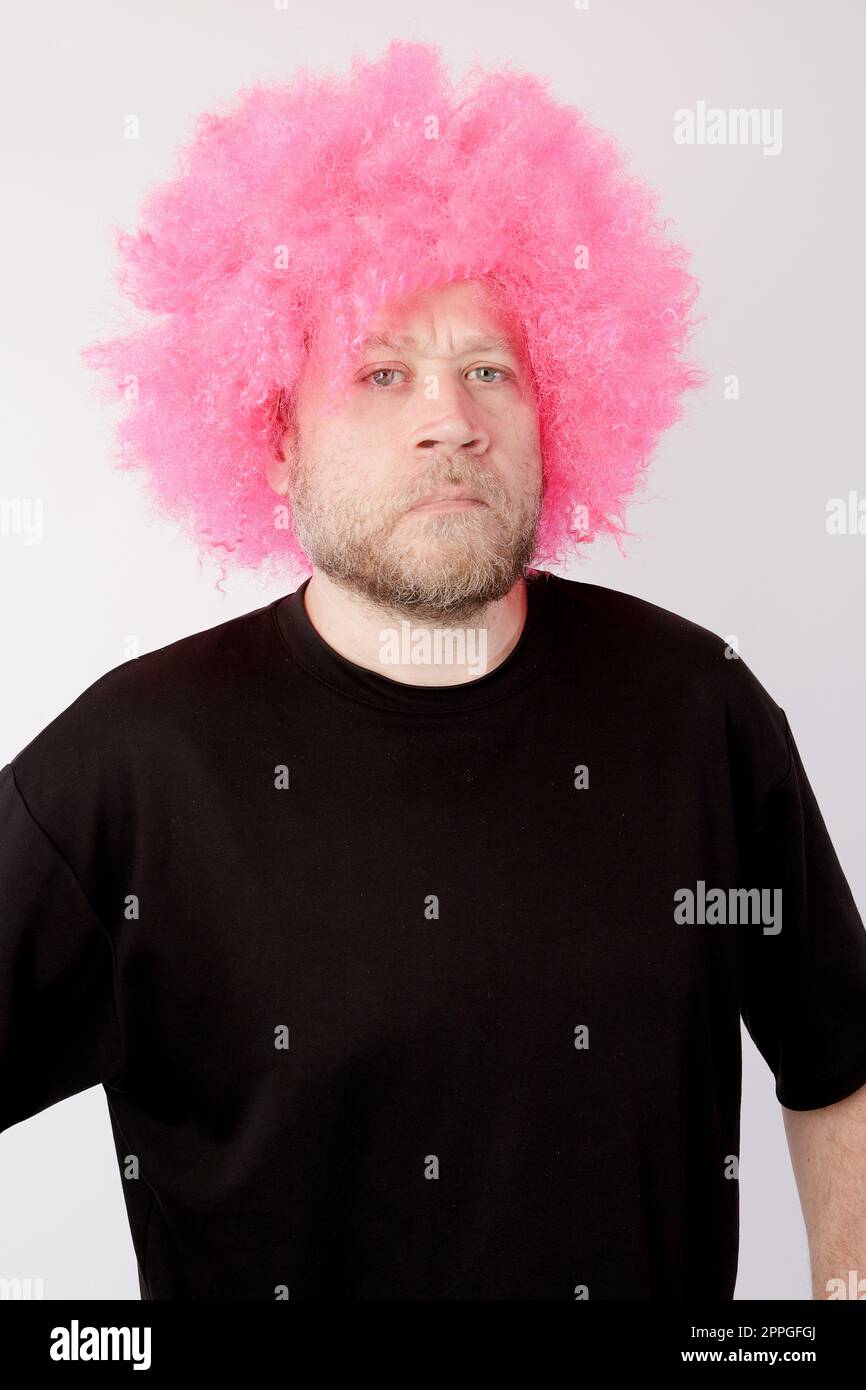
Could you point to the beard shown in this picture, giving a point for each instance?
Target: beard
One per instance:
(428, 566)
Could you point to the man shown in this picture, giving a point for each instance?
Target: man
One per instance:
(409, 919)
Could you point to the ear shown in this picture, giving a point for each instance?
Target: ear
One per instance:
(281, 466)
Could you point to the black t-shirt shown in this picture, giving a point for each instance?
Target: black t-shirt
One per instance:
(410, 992)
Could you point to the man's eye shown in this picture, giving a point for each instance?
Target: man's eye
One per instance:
(489, 369)
(381, 371)
(389, 371)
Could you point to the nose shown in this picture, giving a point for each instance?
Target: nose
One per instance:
(455, 428)
(447, 440)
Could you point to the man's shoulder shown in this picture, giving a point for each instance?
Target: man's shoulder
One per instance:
(663, 654)
(133, 698)
(196, 657)
(632, 622)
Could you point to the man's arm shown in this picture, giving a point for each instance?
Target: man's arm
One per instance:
(60, 1032)
(828, 1154)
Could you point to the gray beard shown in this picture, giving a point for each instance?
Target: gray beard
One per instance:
(475, 563)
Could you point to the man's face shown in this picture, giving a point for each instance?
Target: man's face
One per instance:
(440, 399)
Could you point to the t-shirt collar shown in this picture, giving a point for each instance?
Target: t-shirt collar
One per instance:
(312, 652)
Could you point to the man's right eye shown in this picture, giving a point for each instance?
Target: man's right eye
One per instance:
(380, 371)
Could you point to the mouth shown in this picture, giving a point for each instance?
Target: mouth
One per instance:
(448, 500)
(460, 504)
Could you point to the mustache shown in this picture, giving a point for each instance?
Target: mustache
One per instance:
(474, 480)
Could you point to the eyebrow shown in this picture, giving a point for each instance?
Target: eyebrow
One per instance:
(496, 343)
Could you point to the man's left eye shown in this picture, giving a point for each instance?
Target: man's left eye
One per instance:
(489, 369)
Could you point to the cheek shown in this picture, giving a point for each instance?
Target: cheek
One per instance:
(518, 433)
(530, 439)
(361, 479)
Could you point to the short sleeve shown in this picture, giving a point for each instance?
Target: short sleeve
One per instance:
(803, 985)
(59, 1030)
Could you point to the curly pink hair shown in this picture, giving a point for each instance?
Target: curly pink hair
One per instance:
(309, 204)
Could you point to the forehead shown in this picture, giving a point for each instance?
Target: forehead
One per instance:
(462, 342)
(457, 318)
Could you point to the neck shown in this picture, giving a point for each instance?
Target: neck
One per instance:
(413, 652)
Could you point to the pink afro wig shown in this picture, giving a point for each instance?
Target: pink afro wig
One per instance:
(309, 204)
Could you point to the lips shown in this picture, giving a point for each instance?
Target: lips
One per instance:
(453, 494)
